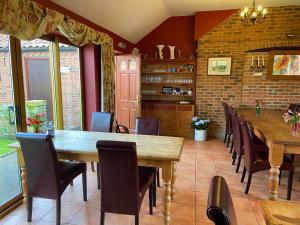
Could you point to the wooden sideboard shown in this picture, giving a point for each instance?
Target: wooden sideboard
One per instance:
(175, 119)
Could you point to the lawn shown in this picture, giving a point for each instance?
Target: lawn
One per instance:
(3, 145)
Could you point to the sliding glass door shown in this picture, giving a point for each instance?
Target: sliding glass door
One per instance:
(10, 187)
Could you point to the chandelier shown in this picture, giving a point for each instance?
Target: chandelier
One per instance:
(253, 15)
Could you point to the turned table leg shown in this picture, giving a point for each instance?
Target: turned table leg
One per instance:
(23, 175)
(174, 170)
(275, 158)
(167, 180)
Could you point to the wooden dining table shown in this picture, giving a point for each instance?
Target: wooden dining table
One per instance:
(271, 129)
(152, 151)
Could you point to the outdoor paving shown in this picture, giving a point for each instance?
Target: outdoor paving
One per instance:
(10, 177)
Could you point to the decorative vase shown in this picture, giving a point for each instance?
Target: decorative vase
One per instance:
(160, 52)
(172, 50)
(200, 135)
(295, 127)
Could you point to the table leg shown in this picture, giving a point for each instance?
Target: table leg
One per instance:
(23, 176)
(275, 157)
(167, 180)
(174, 170)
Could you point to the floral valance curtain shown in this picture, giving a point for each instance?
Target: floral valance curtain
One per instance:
(27, 20)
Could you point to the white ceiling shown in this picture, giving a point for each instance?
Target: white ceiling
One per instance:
(133, 19)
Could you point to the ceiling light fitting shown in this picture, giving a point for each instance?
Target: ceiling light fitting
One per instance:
(253, 15)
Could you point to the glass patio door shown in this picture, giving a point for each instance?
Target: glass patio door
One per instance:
(10, 185)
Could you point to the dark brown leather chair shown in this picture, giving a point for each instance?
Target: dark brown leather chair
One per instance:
(101, 122)
(294, 107)
(123, 183)
(228, 130)
(238, 143)
(46, 176)
(255, 161)
(149, 126)
(220, 208)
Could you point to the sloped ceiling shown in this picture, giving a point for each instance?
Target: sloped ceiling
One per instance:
(133, 19)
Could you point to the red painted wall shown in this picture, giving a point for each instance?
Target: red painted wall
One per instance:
(178, 31)
(91, 81)
(81, 19)
(207, 20)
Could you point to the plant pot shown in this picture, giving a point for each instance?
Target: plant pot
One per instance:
(200, 135)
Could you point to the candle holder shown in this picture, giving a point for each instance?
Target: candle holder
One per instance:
(257, 65)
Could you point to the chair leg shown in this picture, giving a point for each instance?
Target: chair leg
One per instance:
(137, 220)
(29, 209)
(157, 177)
(248, 183)
(239, 163)
(290, 185)
(102, 218)
(243, 175)
(58, 211)
(84, 188)
(151, 199)
(233, 158)
(154, 192)
(231, 147)
(279, 176)
(98, 176)
(225, 138)
(228, 140)
(92, 166)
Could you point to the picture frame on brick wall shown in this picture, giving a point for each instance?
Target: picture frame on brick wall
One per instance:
(220, 66)
(284, 64)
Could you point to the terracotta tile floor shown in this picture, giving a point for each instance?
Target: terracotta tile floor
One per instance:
(200, 161)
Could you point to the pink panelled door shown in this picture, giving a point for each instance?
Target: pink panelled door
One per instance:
(128, 97)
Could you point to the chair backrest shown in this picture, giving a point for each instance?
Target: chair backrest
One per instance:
(147, 125)
(227, 117)
(102, 122)
(295, 107)
(41, 165)
(249, 155)
(237, 133)
(119, 177)
(220, 207)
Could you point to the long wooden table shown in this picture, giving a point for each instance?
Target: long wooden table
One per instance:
(277, 134)
(281, 212)
(152, 151)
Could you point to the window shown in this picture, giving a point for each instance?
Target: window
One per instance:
(71, 86)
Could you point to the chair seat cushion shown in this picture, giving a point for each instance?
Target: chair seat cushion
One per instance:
(69, 170)
(146, 176)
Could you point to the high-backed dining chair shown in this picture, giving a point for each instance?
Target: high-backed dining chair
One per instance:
(238, 143)
(46, 176)
(228, 130)
(123, 183)
(101, 122)
(149, 126)
(220, 207)
(255, 161)
(294, 107)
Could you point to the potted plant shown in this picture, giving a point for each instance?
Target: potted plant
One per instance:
(292, 117)
(200, 126)
(36, 122)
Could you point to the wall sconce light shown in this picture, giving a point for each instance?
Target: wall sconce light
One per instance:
(257, 65)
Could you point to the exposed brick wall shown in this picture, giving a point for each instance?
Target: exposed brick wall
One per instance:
(232, 39)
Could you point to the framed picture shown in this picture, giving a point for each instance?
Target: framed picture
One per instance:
(219, 66)
(284, 64)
